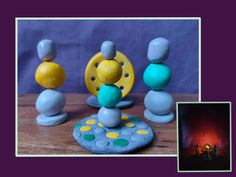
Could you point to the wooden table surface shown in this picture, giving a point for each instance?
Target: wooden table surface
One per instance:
(33, 139)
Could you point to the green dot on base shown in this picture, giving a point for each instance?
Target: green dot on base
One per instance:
(89, 137)
(121, 142)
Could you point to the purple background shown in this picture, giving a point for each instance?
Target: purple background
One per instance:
(78, 40)
(218, 80)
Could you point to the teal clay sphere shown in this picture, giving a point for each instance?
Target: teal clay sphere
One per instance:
(157, 76)
(109, 95)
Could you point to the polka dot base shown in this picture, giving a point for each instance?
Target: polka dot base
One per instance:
(130, 135)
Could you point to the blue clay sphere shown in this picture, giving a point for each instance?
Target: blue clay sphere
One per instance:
(109, 95)
(109, 117)
(157, 76)
(158, 102)
(46, 50)
(50, 102)
(108, 49)
(158, 50)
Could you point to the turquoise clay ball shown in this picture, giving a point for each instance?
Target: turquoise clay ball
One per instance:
(50, 102)
(159, 102)
(157, 76)
(109, 95)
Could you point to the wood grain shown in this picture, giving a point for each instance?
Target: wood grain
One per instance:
(34, 139)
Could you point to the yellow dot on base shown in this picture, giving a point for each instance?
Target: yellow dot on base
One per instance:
(91, 121)
(100, 124)
(142, 132)
(129, 124)
(85, 128)
(124, 118)
(112, 135)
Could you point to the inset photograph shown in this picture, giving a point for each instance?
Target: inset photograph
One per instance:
(204, 137)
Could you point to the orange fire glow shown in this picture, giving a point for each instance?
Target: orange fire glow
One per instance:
(206, 135)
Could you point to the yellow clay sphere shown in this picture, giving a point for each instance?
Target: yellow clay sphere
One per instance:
(109, 71)
(50, 75)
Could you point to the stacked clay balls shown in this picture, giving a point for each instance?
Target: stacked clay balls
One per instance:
(49, 75)
(109, 72)
(157, 75)
(110, 131)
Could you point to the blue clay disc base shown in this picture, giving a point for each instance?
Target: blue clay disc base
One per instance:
(162, 119)
(130, 135)
(51, 120)
(124, 103)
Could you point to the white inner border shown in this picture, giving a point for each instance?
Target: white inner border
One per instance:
(230, 136)
(96, 18)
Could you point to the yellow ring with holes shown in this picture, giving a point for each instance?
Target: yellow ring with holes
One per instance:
(126, 81)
